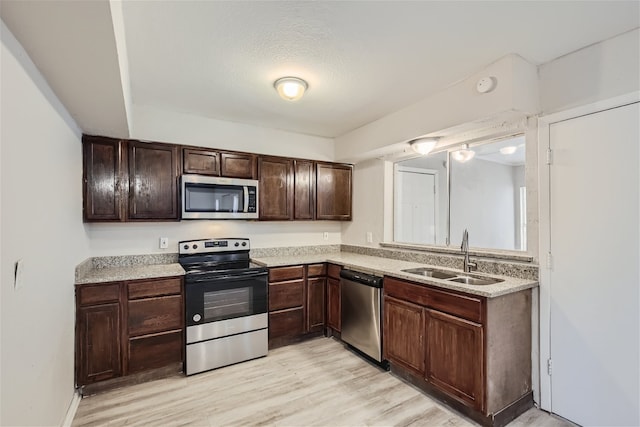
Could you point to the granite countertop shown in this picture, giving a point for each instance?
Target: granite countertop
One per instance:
(392, 267)
(129, 272)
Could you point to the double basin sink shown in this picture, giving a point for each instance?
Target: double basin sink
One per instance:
(467, 279)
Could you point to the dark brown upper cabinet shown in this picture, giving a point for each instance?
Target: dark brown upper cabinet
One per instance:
(202, 162)
(333, 191)
(304, 196)
(238, 165)
(276, 188)
(129, 180)
(153, 181)
(104, 186)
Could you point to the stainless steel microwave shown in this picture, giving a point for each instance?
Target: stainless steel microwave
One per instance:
(210, 197)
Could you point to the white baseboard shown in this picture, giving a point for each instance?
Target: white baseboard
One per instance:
(73, 407)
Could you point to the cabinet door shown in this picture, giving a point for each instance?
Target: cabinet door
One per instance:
(153, 181)
(455, 358)
(203, 162)
(333, 191)
(304, 189)
(103, 182)
(315, 304)
(276, 188)
(238, 165)
(98, 343)
(404, 334)
(333, 304)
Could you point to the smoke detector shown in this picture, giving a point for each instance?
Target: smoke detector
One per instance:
(486, 84)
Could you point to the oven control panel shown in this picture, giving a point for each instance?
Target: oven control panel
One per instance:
(200, 246)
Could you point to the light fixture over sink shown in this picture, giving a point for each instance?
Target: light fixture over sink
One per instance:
(290, 88)
(463, 155)
(423, 145)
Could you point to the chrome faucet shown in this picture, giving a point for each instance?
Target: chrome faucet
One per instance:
(467, 266)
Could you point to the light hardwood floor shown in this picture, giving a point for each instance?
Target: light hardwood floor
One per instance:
(314, 383)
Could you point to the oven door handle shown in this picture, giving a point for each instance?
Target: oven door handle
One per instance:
(236, 275)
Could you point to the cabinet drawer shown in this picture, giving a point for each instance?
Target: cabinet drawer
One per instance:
(151, 315)
(315, 270)
(286, 323)
(154, 288)
(155, 351)
(98, 294)
(280, 274)
(465, 306)
(286, 295)
(414, 293)
(333, 271)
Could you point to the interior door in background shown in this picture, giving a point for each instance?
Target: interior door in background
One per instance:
(594, 280)
(415, 205)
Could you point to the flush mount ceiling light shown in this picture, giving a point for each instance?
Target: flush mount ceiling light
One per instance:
(463, 155)
(423, 145)
(508, 150)
(290, 88)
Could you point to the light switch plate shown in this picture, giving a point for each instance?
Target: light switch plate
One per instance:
(164, 242)
(325, 235)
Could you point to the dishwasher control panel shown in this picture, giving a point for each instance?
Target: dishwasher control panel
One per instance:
(364, 278)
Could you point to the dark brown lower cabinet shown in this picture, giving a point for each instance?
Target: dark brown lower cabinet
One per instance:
(154, 351)
(98, 343)
(455, 356)
(403, 327)
(286, 323)
(316, 304)
(124, 328)
(333, 304)
(297, 301)
(472, 352)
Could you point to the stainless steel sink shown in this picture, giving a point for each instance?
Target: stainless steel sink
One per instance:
(478, 281)
(430, 272)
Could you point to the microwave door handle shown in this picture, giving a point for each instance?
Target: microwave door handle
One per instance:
(246, 199)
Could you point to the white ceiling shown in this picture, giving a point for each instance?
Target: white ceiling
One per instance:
(362, 59)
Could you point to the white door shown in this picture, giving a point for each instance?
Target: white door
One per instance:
(595, 276)
(415, 206)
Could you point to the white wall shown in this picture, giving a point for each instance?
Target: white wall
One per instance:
(154, 124)
(42, 225)
(460, 103)
(142, 238)
(597, 72)
(368, 204)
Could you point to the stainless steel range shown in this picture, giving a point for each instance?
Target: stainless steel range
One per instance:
(225, 304)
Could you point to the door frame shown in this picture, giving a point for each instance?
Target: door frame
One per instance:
(397, 169)
(544, 123)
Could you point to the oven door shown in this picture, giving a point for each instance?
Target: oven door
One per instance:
(227, 296)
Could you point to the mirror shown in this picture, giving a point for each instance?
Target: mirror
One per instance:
(486, 195)
(421, 200)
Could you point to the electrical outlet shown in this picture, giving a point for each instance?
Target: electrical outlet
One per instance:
(164, 242)
(325, 235)
(369, 237)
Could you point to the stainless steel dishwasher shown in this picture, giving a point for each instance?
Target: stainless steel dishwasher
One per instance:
(362, 313)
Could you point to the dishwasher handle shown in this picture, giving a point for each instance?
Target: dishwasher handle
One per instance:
(362, 278)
